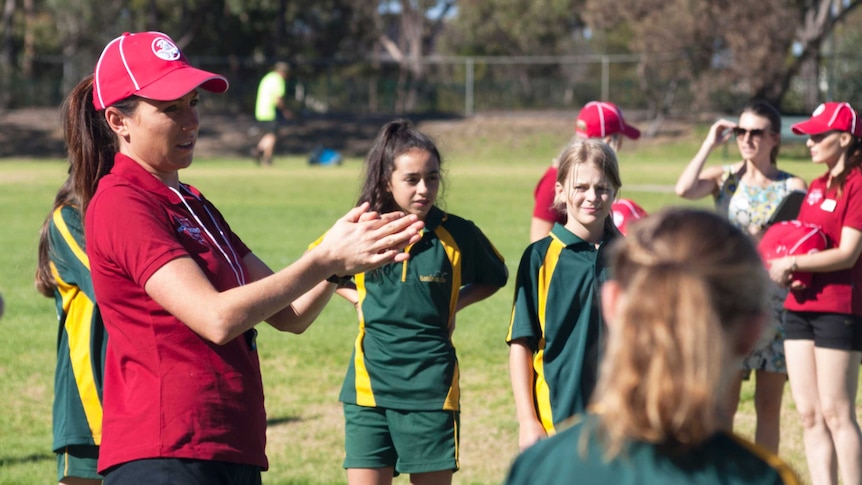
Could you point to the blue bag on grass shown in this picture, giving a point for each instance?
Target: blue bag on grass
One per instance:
(324, 156)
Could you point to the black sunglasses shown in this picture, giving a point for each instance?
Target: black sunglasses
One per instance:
(822, 136)
(755, 133)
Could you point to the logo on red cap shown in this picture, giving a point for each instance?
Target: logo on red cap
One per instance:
(165, 49)
(148, 65)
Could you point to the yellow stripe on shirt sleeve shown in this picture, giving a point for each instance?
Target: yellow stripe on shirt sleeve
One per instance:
(362, 380)
(79, 317)
(60, 223)
(543, 392)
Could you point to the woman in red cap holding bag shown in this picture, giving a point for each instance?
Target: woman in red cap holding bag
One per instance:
(599, 120)
(824, 320)
(180, 293)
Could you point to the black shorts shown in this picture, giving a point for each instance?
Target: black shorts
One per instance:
(273, 126)
(827, 330)
(172, 471)
(268, 126)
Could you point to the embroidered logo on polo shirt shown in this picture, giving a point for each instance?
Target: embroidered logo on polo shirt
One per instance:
(815, 196)
(438, 277)
(185, 226)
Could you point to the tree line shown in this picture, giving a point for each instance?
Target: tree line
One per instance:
(712, 52)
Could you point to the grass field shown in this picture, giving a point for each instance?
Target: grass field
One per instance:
(278, 211)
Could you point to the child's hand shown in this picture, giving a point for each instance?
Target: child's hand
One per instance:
(529, 433)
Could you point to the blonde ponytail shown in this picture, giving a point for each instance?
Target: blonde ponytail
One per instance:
(687, 279)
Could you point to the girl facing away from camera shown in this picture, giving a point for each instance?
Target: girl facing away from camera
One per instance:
(401, 394)
(556, 327)
(687, 300)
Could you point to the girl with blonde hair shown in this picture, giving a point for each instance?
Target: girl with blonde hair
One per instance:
(687, 300)
(556, 327)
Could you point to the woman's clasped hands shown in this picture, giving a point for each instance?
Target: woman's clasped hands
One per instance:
(362, 240)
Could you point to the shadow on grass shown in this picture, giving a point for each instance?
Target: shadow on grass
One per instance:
(18, 460)
(283, 420)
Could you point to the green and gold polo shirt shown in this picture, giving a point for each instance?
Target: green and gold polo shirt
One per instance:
(557, 311)
(403, 357)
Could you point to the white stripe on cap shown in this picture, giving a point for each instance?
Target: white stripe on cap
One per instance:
(835, 113)
(126, 65)
(601, 107)
(838, 110)
(98, 78)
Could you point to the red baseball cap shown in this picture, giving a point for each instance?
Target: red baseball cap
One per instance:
(149, 65)
(792, 238)
(626, 211)
(828, 117)
(599, 119)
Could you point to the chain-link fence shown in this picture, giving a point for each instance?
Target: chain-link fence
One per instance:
(449, 85)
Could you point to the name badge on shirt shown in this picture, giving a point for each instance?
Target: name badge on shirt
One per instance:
(828, 205)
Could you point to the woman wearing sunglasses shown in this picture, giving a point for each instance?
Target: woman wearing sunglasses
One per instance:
(748, 192)
(824, 319)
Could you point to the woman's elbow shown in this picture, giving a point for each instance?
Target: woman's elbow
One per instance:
(682, 191)
(217, 336)
(296, 327)
(222, 329)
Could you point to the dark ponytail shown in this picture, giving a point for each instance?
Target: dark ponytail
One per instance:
(90, 142)
(395, 138)
(90, 148)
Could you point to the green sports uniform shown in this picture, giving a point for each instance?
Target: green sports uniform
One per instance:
(557, 311)
(81, 341)
(576, 455)
(403, 356)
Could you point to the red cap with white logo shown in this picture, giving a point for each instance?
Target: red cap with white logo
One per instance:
(149, 65)
(599, 119)
(830, 116)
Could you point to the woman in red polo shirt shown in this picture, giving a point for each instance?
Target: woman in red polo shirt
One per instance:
(823, 342)
(180, 293)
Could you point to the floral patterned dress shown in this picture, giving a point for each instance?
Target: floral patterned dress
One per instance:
(747, 206)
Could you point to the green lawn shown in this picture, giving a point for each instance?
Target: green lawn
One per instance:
(278, 211)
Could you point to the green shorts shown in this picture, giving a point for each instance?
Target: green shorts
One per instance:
(78, 461)
(408, 441)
